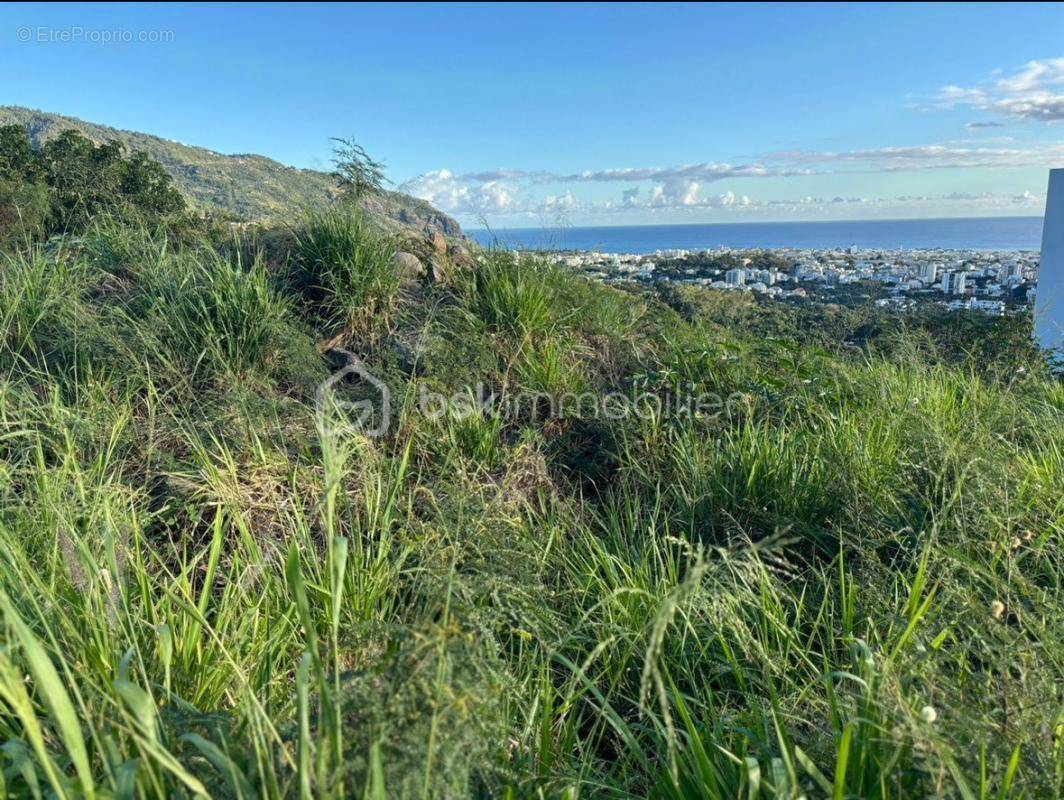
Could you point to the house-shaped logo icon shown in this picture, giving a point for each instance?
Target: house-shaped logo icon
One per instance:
(370, 416)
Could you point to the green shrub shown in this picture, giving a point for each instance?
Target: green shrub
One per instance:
(345, 267)
(24, 213)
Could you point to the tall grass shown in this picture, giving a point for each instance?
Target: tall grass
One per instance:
(515, 295)
(345, 267)
(216, 314)
(847, 587)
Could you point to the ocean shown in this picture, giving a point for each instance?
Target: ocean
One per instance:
(988, 233)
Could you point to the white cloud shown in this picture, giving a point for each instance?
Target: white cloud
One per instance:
(675, 192)
(504, 191)
(560, 204)
(703, 173)
(509, 192)
(954, 202)
(456, 195)
(464, 195)
(493, 196)
(1033, 92)
(934, 156)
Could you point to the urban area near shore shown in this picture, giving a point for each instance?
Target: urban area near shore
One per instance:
(995, 282)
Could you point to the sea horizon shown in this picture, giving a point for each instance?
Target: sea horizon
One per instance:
(947, 233)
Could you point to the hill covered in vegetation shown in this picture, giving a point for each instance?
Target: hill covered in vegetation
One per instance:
(287, 514)
(245, 186)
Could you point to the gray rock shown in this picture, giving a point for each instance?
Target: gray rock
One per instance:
(408, 266)
(440, 270)
(460, 257)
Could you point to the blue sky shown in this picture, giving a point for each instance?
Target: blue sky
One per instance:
(627, 114)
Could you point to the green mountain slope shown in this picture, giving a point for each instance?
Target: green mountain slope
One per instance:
(250, 186)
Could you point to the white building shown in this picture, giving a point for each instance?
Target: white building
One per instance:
(954, 282)
(989, 306)
(735, 277)
(1049, 301)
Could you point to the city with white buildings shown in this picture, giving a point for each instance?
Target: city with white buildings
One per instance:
(989, 282)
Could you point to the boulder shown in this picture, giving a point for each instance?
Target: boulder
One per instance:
(439, 243)
(460, 257)
(440, 269)
(408, 266)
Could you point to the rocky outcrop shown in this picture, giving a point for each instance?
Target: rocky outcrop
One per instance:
(416, 213)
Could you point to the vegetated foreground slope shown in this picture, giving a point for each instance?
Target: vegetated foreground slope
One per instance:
(845, 580)
(247, 186)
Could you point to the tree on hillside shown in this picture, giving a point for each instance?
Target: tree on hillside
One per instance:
(82, 176)
(355, 172)
(148, 185)
(24, 203)
(70, 180)
(18, 161)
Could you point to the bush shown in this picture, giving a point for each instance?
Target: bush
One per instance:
(345, 268)
(24, 211)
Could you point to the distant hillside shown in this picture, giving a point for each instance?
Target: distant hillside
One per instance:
(249, 186)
